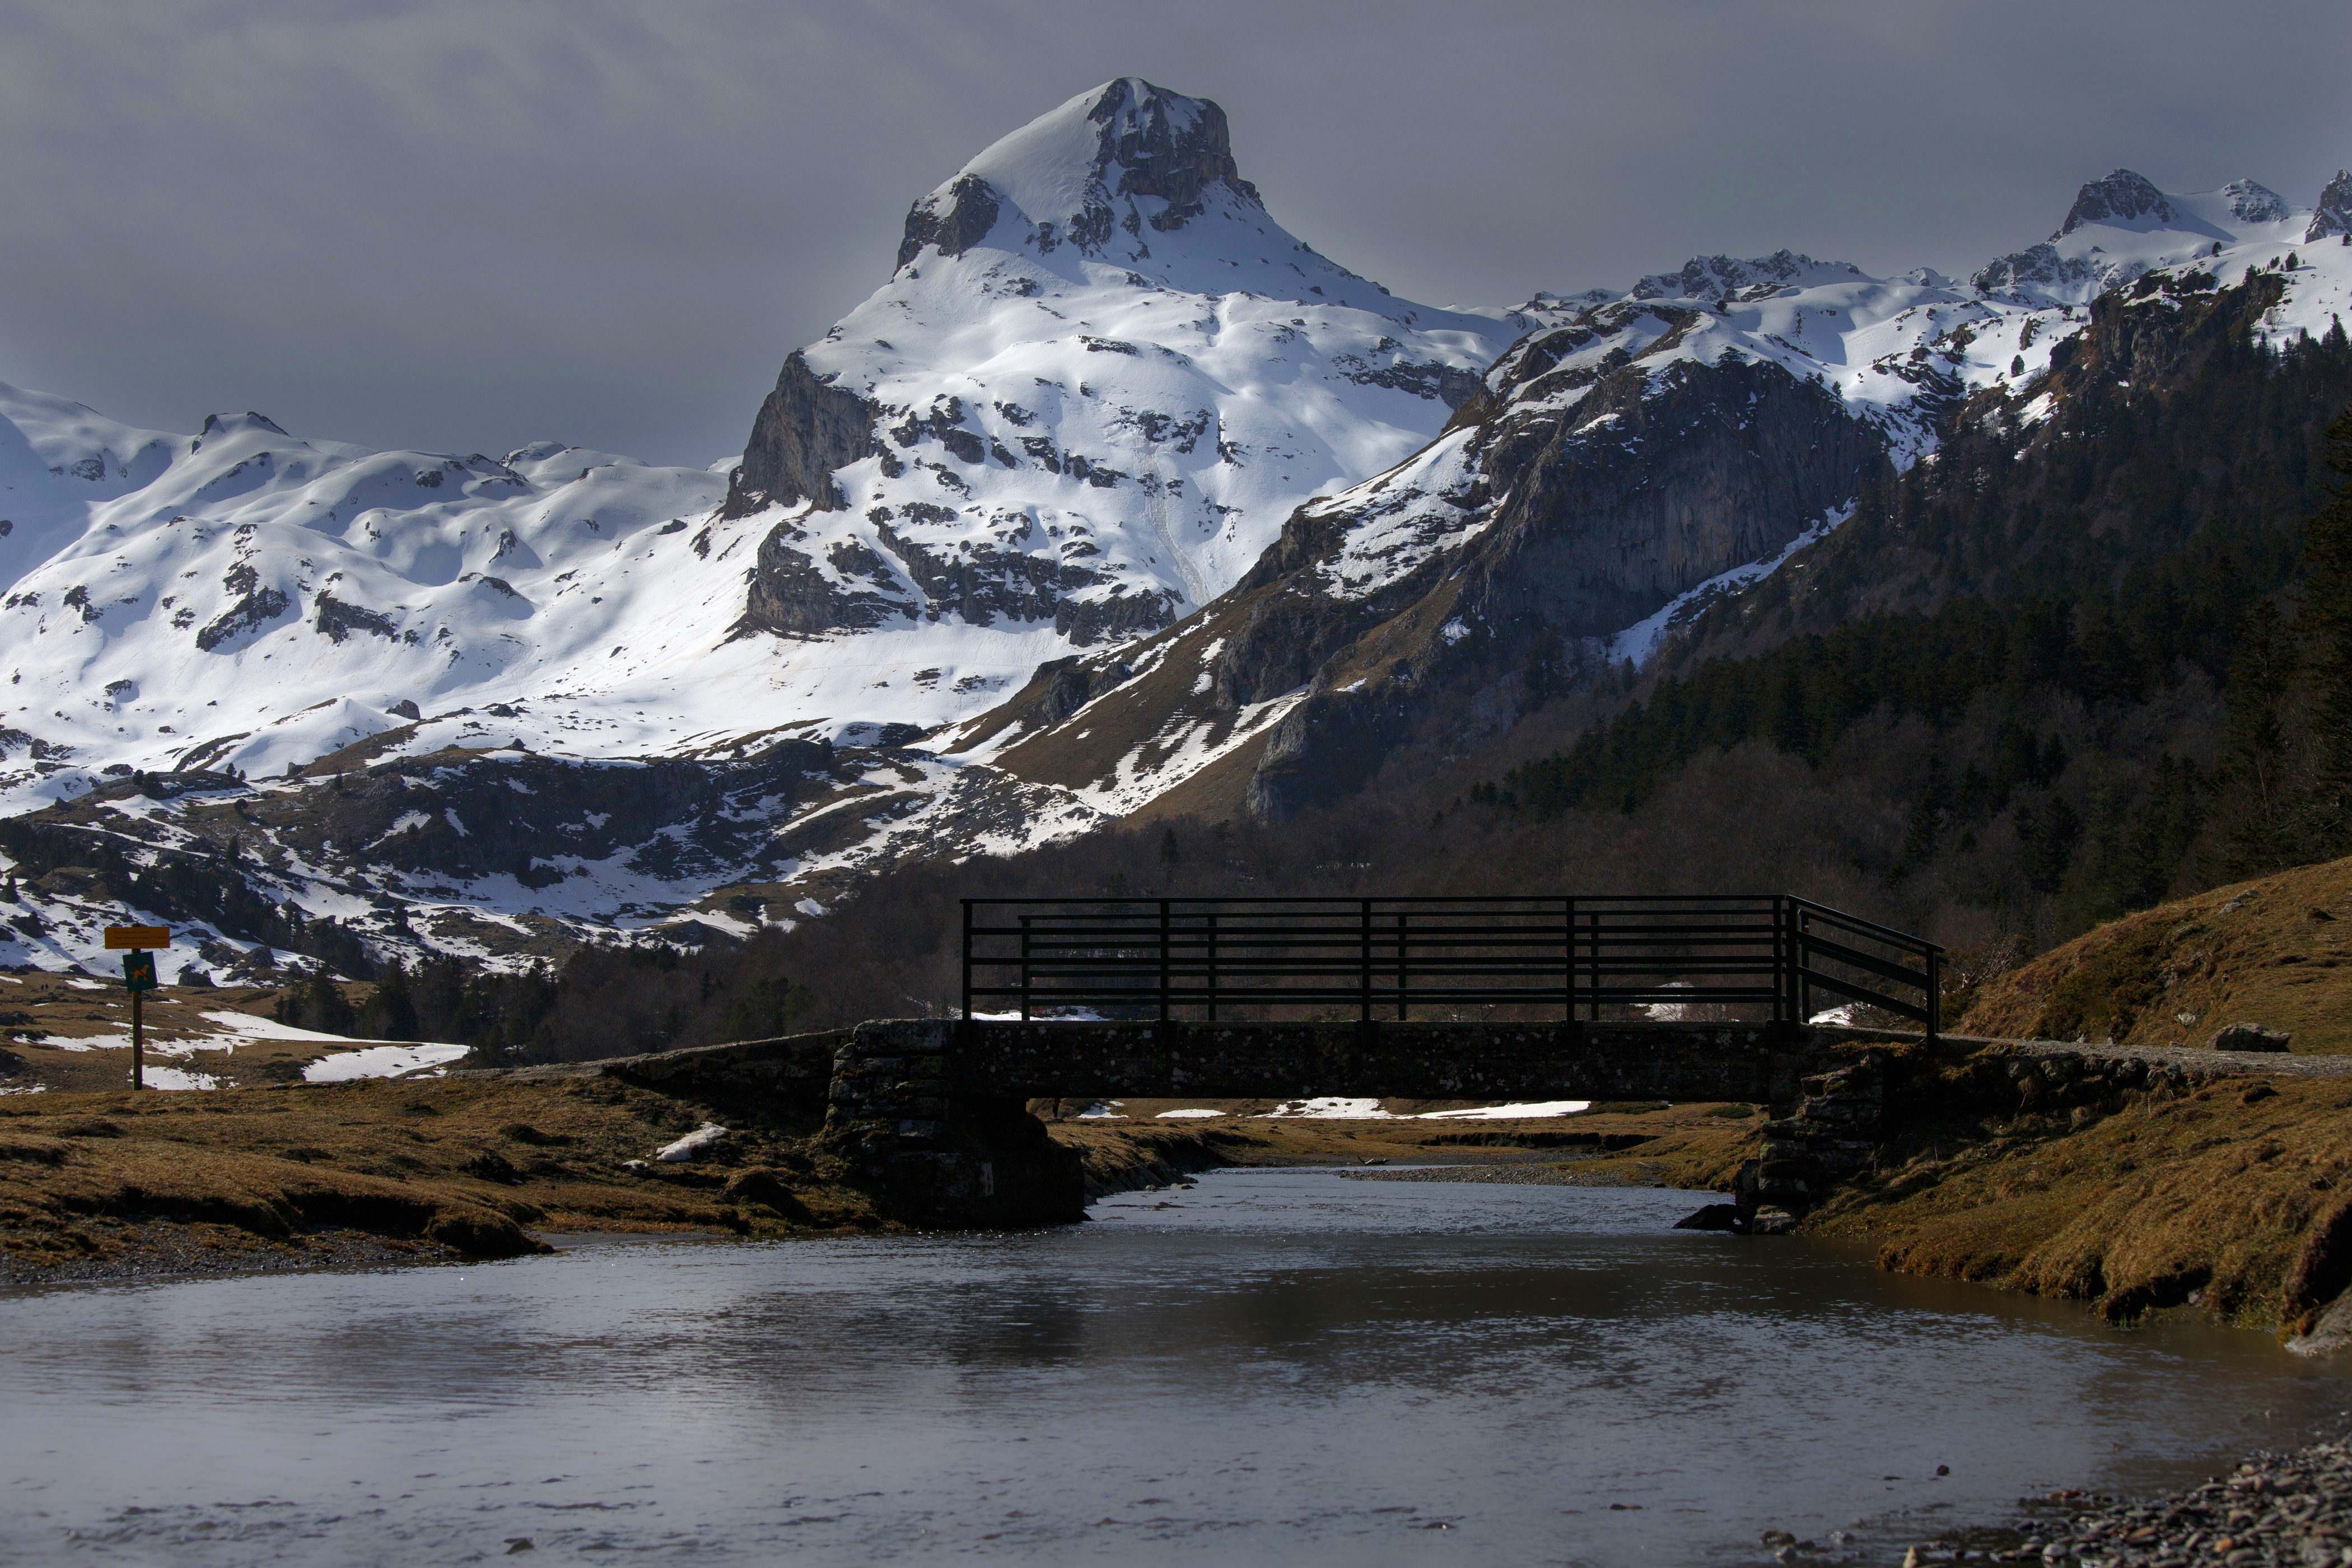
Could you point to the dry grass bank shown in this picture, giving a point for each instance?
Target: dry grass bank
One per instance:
(2236, 1196)
(2274, 950)
(466, 1164)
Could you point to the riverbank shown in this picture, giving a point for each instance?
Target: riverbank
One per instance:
(2290, 1509)
(307, 1175)
(2224, 1185)
(122, 1185)
(1698, 1146)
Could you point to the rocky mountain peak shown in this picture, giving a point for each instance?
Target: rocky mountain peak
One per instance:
(1166, 145)
(229, 424)
(1119, 156)
(2251, 203)
(2334, 215)
(1708, 277)
(2122, 198)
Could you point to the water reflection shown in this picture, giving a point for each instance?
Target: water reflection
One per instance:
(1279, 1367)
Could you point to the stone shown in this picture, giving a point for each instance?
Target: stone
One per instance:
(2246, 1036)
(694, 1145)
(1771, 1222)
(1714, 1217)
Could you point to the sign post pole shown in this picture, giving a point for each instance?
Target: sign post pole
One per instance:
(138, 978)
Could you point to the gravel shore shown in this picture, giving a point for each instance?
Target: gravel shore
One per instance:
(2274, 1510)
(169, 1249)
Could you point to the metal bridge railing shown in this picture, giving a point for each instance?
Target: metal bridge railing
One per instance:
(1166, 958)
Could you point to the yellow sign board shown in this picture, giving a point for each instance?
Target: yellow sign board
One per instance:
(138, 936)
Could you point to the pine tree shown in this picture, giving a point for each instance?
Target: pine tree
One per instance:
(2327, 628)
(2253, 811)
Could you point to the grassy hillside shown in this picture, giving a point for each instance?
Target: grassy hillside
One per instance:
(2272, 950)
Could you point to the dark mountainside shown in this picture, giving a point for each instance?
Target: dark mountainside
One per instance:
(1571, 517)
(2050, 677)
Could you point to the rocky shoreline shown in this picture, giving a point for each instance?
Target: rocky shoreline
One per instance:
(149, 1251)
(2273, 1510)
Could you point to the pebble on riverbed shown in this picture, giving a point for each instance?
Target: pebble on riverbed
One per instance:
(2278, 1511)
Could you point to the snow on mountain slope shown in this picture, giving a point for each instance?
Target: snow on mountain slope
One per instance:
(1100, 378)
(1620, 468)
(1901, 353)
(575, 696)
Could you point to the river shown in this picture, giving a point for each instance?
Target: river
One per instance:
(1272, 1367)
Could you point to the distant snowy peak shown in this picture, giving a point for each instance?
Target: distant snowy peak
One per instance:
(1099, 378)
(2334, 218)
(2122, 228)
(2251, 203)
(1709, 277)
(2123, 198)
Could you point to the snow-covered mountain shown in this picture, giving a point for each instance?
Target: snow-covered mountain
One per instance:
(1114, 496)
(1099, 378)
(1619, 468)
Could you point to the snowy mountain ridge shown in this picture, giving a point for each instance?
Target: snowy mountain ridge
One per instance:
(1100, 393)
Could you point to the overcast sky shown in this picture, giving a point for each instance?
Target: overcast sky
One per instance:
(462, 225)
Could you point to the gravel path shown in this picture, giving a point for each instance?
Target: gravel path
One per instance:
(2286, 1063)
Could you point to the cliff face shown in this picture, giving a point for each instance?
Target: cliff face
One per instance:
(806, 428)
(1447, 596)
(1593, 517)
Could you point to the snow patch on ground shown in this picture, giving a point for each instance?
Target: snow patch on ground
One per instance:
(384, 1061)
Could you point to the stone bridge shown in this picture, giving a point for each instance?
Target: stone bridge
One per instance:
(935, 1111)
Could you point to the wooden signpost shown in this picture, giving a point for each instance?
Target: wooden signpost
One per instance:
(138, 978)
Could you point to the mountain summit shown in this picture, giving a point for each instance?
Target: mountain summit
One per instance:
(1108, 162)
(1099, 378)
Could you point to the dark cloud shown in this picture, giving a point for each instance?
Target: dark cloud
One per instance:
(453, 224)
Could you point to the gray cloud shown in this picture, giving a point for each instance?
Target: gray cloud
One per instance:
(453, 224)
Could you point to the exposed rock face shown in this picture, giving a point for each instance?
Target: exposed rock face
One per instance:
(2039, 267)
(1590, 518)
(1173, 156)
(2251, 203)
(805, 429)
(2245, 1037)
(2334, 218)
(954, 223)
(2122, 198)
(791, 594)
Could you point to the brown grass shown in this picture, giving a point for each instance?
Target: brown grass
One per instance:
(465, 1163)
(2273, 951)
(2213, 1198)
(91, 1022)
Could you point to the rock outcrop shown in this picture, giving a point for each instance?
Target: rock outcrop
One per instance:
(2334, 218)
(806, 428)
(1579, 520)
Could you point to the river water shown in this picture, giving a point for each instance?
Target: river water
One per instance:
(1277, 1367)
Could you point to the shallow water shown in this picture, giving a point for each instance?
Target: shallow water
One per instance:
(1279, 1367)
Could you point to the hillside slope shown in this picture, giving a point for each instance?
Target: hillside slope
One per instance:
(2276, 951)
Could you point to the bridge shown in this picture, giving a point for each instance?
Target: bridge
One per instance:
(1599, 998)
(1589, 998)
